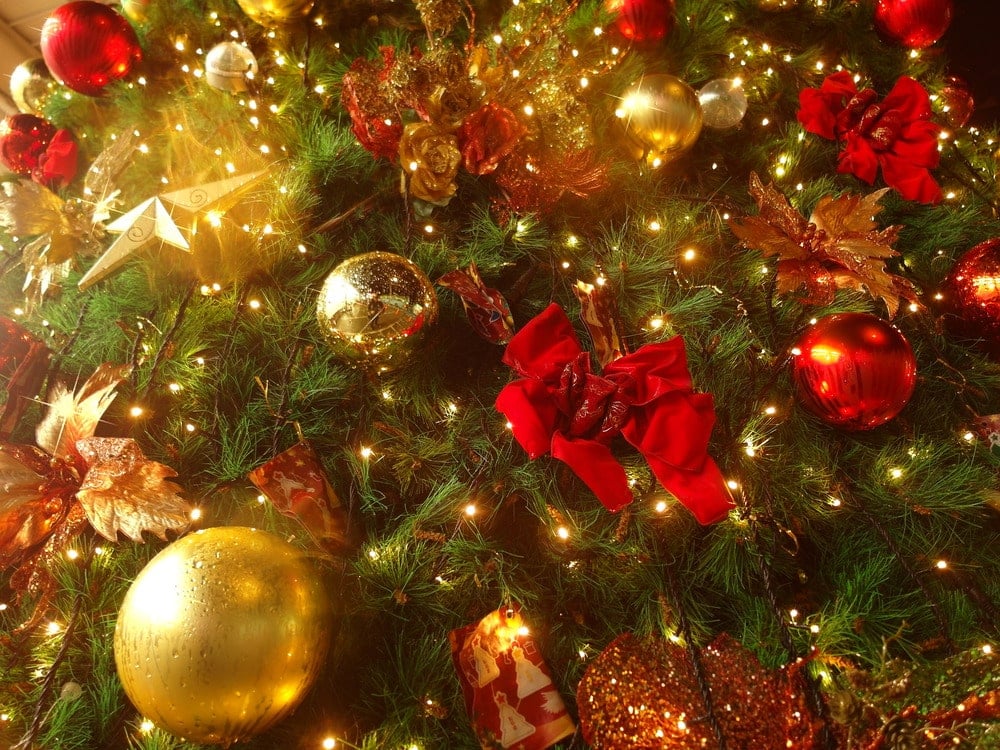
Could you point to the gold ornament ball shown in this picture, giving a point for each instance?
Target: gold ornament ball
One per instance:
(31, 85)
(229, 66)
(375, 307)
(275, 12)
(661, 118)
(222, 634)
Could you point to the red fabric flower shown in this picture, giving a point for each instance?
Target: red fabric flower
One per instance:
(895, 134)
(560, 406)
(57, 164)
(374, 122)
(487, 136)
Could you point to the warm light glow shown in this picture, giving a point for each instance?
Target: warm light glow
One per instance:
(470, 510)
(72, 554)
(135, 411)
(146, 726)
(195, 514)
(53, 627)
(563, 533)
(329, 743)
(365, 452)
(942, 564)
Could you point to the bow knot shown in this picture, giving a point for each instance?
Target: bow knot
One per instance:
(560, 406)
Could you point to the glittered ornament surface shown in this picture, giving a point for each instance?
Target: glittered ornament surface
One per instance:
(971, 294)
(645, 694)
(229, 66)
(88, 45)
(854, 370)
(222, 633)
(31, 86)
(23, 140)
(723, 103)
(913, 23)
(374, 307)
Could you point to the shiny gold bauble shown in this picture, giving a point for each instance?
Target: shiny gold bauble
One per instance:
(275, 12)
(660, 117)
(31, 86)
(229, 67)
(222, 634)
(373, 308)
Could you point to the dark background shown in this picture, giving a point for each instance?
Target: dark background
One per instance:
(972, 44)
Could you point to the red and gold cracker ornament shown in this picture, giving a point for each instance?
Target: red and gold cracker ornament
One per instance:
(559, 406)
(486, 308)
(295, 483)
(508, 689)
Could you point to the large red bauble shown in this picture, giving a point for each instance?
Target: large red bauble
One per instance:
(87, 45)
(913, 23)
(642, 20)
(854, 370)
(971, 295)
(23, 138)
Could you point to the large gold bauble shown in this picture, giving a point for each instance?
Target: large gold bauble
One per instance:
(661, 118)
(275, 12)
(222, 634)
(31, 86)
(229, 67)
(374, 308)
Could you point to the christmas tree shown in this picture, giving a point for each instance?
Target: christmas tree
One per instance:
(468, 374)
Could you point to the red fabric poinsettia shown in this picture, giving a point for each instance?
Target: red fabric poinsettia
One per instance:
(374, 122)
(487, 136)
(57, 164)
(895, 133)
(560, 406)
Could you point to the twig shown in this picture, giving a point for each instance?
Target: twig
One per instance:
(28, 740)
(169, 336)
(359, 207)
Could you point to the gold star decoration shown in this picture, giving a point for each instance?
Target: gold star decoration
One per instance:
(154, 219)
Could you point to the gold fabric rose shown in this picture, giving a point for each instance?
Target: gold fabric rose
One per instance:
(430, 156)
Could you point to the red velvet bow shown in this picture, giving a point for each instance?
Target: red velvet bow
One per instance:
(895, 134)
(560, 406)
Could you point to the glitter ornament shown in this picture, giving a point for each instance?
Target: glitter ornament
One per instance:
(642, 20)
(229, 66)
(375, 307)
(723, 103)
(958, 104)
(661, 118)
(645, 694)
(23, 139)
(31, 86)
(854, 370)
(971, 293)
(88, 45)
(913, 23)
(222, 634)
(275, 12)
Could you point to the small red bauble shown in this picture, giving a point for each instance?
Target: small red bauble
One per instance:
(23, 139)
(87, 45)
(913, 23)
(971, 295)
(854, 370)
(642, 20)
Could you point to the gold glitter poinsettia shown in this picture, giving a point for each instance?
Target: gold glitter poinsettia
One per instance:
(430, 157)
(838, 247)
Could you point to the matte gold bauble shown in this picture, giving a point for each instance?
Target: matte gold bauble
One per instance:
(661, 118)
(222, 634)
(374, 307)
(229, 67)
(31, 85)
(275, 12)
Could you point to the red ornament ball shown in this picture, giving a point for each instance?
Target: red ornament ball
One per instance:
(642, 20)
(87, 45)
(913, 23)
(971, 294)
(854, 370)
(23, 139)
